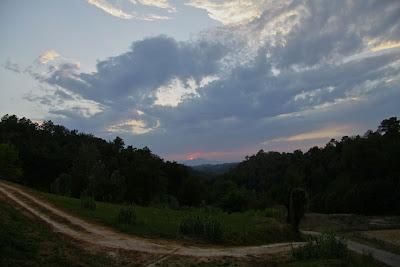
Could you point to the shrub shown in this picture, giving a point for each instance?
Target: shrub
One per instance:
(275, 212)
(235, 200)
(326, 246)
(202, 227)
(127, 215)
(62, 185)
(88, 202)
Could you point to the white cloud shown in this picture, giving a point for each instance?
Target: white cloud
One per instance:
(386, 45)
(48, 56)
(110, 9)
(173, 93)
(324, 133)
(136, 127)
(163, 4)
(63, 103)
(177, 91)
(230, 12)
(118, 12)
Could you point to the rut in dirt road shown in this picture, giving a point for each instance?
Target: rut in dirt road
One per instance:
(79, 229)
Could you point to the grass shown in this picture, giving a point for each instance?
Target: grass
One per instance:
(24, 243)
(357, 227)
(250, 228)
(327, 250)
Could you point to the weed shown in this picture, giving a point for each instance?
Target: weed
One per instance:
(326, 246)
(202, 227)
(127, 215)
(88, 202)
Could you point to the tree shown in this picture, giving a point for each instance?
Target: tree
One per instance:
(118, 143)
(62, 185)
(117, 187)
(191, 192)
(235, 200)
(298, 202)
(82, 168)
(9, 162)
(390, 126)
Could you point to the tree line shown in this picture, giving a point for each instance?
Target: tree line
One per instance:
(359, 174)
(52, 158)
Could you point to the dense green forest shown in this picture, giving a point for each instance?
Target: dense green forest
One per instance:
(358, 174)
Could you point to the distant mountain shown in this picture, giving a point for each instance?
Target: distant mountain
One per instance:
(211, 170)
(199, 161)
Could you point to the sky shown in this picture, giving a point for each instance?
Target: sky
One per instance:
(209, 79)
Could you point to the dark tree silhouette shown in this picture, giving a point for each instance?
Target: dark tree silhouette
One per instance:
(298, 203)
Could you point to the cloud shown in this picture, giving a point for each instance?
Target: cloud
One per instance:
(163, 4)
(295, 73)
(110, 9)
(120, 13)
(324, 133)
(176, 91)
(136, 127)
(135, 76)
(386, 45)
(12, 66)
(47, 56)
(228, 12)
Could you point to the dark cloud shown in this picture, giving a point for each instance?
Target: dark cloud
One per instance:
(318, 70)
(138, 73)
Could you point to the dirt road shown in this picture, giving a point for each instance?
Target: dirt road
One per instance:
(105, 237)
(98, 235)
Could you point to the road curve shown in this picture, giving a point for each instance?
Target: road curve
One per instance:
(105, 237)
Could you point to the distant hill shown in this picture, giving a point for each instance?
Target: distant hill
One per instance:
(214, 169)
(199, 162)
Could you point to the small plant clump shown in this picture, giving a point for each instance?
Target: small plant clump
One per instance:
(88, 202)
(326, 246)
(127, 215)
(202, 227)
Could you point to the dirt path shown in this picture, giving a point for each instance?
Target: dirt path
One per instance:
(105, 237)
(388, 258)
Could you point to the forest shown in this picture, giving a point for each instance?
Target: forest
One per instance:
(356, 174)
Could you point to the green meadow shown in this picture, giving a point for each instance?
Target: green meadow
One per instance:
(248, 228)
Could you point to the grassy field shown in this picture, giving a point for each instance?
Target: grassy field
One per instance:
(250, 228)
(26, 242)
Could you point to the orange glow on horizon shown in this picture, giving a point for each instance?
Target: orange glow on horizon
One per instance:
(213, 155)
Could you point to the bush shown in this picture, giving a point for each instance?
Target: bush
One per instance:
(127, 215)
(202, 227)
(88, 202)
(326, 246)
(275, 212)
(235, 200)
